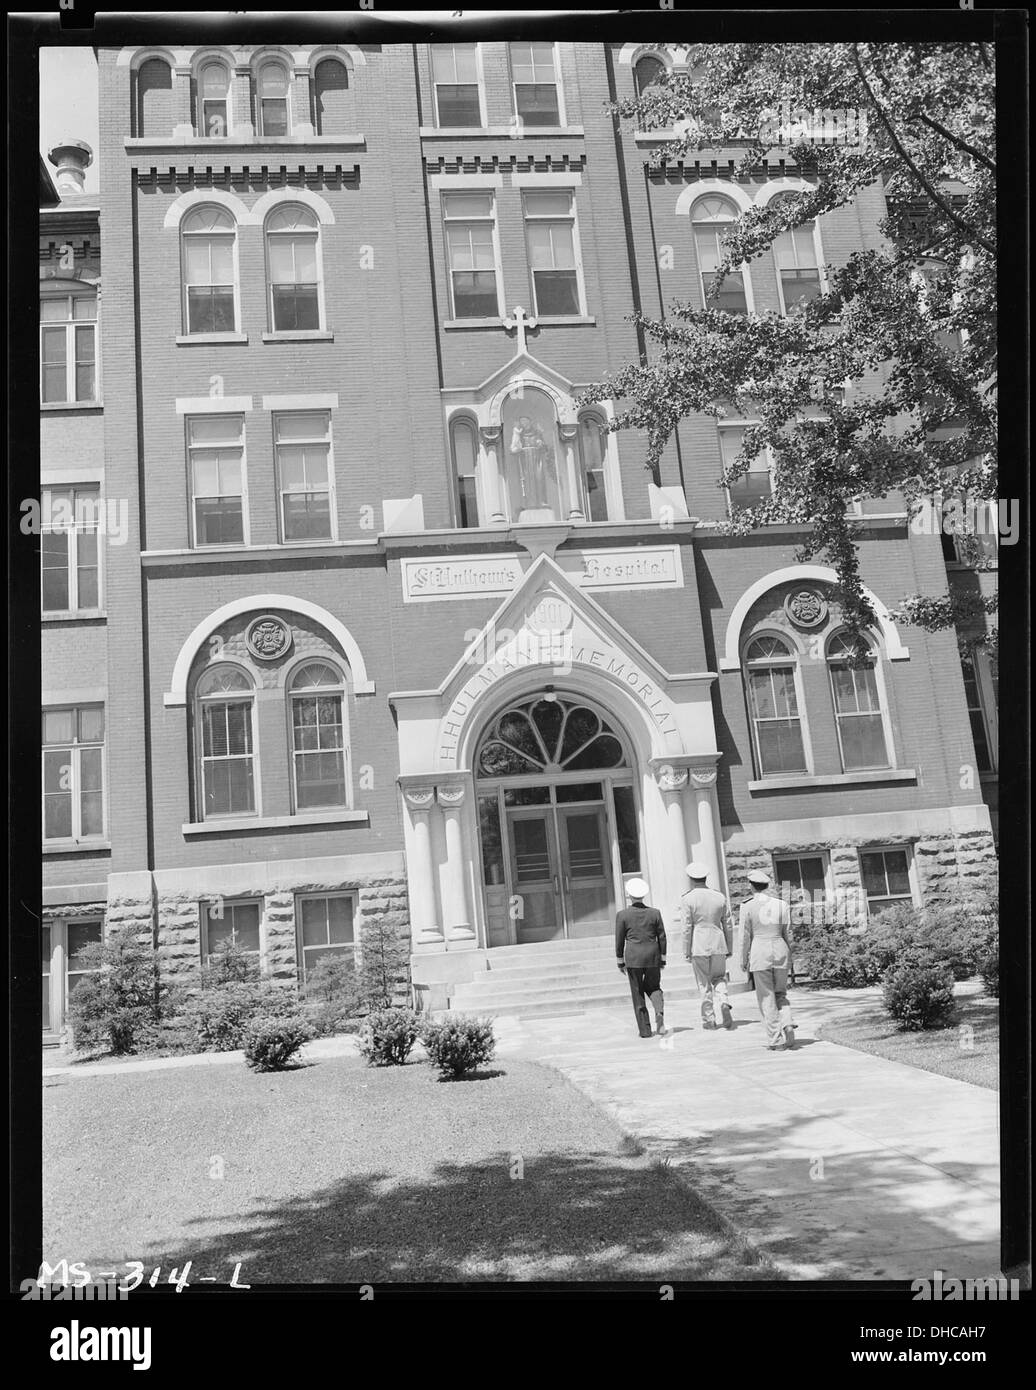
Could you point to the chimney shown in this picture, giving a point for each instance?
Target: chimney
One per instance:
(71, 158)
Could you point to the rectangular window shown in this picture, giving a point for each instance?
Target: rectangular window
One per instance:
(79, 935)
(457, 87)
(550, 235)
(69, 549)
(861, 728)
(753, 488)
(294, 282)
(802, 873)
(979, 695)
(775, 717)
(471, 253)
(326, 928)
(45, 935)
(302, 444)
(886, 879)
(209, 281)
(627, 830)
(216, 463)
(536, 94)
(73, 773)
(224, 923)
(797, 270)
(227, 756)
(68, 349)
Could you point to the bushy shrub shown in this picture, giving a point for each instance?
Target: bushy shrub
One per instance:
(219, 1015)
(919, 995)
(332, 995)
(272, 1041)
(387, 1037)
(119, 1005)
(230, 963)
(989, 968)
(458, 1045)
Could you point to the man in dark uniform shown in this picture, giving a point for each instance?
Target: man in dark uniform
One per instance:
(640, 946)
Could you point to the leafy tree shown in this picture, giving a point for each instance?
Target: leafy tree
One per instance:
(885, 382)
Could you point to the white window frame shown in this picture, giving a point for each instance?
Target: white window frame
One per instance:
(572, 220)
(349, 950)
(498, 265)
(201, 130)
(204, 913)
(987, 703)
(87, 292)
(742, 269)
(780, 857)
(341, 691)
(458, 421)
(332, 504)
(226, 697)
(480, 80)
(269, 234)
(559, 87)
(185, 284)
(76, 789)
(245, 531)
(908, 850)
(879, 685)
(794, 659)
(58, 967)
(607, 441)
(72, 534)
(272, 62)
(731, 425)
(818, 252)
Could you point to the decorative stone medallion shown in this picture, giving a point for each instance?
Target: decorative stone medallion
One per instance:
(268, 638)
(550, 614)
(806, 608)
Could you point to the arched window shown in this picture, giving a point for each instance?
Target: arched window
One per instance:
(773, 705)
(647, 73)
(593, 448)
(154, 106)
(530, 451)
(272, 99)
(464, 448)
(224, 719)
(68, 342)
(549, 736)
(795, 254)
(208, 235)
(213, 100)
(292, 260)
(857, 703)
(711, 217)
(318, 743)
(331, 106)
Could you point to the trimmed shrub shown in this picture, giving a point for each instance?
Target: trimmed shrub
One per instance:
(458, 1045)
(387, 1037)
(332, 995)
(218, 1015)
(989, 969)
(118, 1006)
(919, 995)
(272, 1041)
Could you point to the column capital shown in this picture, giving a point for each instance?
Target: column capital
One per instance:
(490, 434)
(700, 769)
(568, 432)
(450, 795)
(419, 798)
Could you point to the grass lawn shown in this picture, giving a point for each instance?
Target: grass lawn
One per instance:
(868, 1028)
(336, 1172)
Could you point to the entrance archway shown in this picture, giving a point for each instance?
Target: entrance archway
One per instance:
(558, 816)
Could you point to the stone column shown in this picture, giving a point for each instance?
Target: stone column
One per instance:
(240, 102)
(301, 113)
(456, 917)
(424, 926)
(574, 501)
(703, 781)
(492, 482)
(671, 782)
(183, 126)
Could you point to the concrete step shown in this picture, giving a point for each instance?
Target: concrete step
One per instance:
(568, 967)
(564, 978)
(566, 992)
(587, 945)
(572, 1002)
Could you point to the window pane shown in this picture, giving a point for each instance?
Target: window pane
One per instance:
(210, 310)
(872, 869)
(215, 429)
(780, 747)
(538, 104)
(91, 724)
(214, 80)
(82, 934)
(468, 204)
(307, 516)
(55, 572)
(474, 294)
(219, 522)
(295, 307)
(557, 292)
(548, 204)
(84, 307)
(245, 920)
(340, 920)
(301, 426)
(458, 105)
(53, 310)
(626, 827)
(863, 742)
(58, 725)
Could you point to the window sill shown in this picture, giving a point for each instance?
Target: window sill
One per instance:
(204, 339)
(77, 847)
(473, 323)
(840, 779)
(550, 320)
(51, 407)
(243, 140)
(77, 615)
(239, 823)
(300, 335)
(495, 132)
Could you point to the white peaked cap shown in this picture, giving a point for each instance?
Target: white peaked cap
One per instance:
(636, 888)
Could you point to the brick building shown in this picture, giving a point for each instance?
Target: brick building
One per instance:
(398, 635)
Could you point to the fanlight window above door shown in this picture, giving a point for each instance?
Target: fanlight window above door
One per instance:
(548, 736)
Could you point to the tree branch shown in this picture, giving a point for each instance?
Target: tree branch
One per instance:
(959, 141)
(936, 197)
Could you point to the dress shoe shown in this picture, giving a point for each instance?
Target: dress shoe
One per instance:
(710, 1026)
(728, 1017)
(789, 1037)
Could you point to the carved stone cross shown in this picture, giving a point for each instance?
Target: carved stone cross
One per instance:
(521, 322)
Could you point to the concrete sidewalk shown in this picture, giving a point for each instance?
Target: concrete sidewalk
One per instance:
(835, 1163)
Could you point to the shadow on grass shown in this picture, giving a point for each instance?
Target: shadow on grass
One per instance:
(479, 1074)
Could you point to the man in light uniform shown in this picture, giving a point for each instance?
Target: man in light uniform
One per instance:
(708, 943)
(766, 953)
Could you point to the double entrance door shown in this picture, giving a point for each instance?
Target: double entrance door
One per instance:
(561, 869)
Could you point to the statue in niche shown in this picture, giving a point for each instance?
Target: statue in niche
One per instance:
(534, 457)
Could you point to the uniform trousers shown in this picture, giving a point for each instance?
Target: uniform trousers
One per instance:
(646, 980)
(771, 990)
(711, 974)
